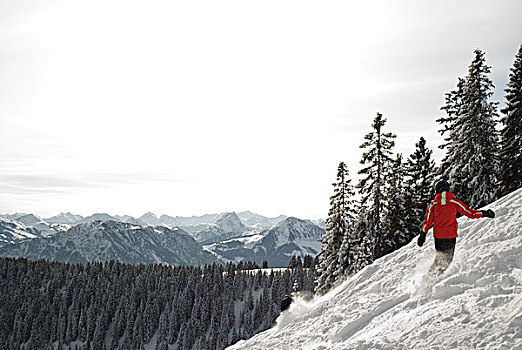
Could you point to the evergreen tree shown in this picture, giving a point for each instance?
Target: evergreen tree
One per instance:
(511, 134)
(420, 170)
(347, 251)
(308, 261)
(292, 263)
(377, 160)
(395, 229)
(336, 225)
(471, 161)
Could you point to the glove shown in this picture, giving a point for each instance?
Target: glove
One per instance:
(421, 239)
(488, 213)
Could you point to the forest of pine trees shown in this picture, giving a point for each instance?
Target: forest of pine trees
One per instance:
(50, 305)
(483, 161)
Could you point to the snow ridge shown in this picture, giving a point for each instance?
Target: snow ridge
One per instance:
(476, 303)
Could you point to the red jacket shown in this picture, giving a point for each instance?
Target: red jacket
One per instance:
(442, 215)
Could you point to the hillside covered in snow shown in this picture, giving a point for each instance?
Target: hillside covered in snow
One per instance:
(391, 304)
(22, 227)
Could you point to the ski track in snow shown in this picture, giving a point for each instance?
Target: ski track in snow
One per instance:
(392, 304)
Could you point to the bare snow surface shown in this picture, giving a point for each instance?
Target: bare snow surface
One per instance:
(475, 304)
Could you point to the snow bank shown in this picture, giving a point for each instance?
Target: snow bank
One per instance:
(475, 304)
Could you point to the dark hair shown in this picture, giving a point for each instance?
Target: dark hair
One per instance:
(442, 186)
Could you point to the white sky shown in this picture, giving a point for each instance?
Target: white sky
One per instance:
(192, 107)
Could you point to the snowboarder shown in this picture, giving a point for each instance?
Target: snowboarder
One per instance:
(442, 215)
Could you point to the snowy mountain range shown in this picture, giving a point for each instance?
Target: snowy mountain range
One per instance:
(392, 304)
(41, 226)
(12, 232)
(227, 237)
(150, 219)
(112, 240)
(276, 245)
(26, 226)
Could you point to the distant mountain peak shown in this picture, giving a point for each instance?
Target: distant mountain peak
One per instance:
(230, 222)
(151, 219)
(30, 220)
(292, 229)
(65, 218)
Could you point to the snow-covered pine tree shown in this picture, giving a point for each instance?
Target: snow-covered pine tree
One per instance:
(336, 224)
(377, 160)
(471, 161)
(420, 169)
(347, 251)
(511, 135)
(395, 231)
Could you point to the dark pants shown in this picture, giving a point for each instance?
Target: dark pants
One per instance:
(444, 251)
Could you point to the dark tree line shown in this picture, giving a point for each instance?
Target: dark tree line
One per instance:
(47, 305)
(296, 262)
(481, 163)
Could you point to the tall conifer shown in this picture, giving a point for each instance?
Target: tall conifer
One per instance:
(347, 251)
(340, 216)
(511, 134)
(377, 160)
(471, 161)
(420, 169)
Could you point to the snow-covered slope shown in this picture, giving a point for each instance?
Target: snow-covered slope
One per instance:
(277, 244)
(112, 240)
(12, 231)
(27, 226)
(475, 304)
(40, 226)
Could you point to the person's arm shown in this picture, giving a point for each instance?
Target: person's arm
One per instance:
(428, 218)
(426, 225)
(465, 210)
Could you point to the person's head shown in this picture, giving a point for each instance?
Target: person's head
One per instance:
(442, 186)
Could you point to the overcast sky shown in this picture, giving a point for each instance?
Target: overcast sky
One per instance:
(193, 107)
